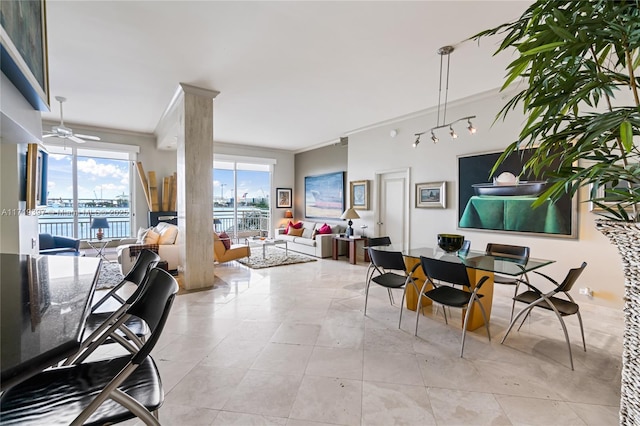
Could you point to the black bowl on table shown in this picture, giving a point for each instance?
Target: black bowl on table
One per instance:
(450, 242)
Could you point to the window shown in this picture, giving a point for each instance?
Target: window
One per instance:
(241, 201)
(87, 182)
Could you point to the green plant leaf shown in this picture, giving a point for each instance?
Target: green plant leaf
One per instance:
(626, 135)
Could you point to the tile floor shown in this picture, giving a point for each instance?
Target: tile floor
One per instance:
(290, 346)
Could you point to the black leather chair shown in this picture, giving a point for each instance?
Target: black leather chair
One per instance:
(145, 261)
(51, 244)
(377, 242)
(517, 254)
(562, 307)
(101, 392)
(439, 271)
(385, 263)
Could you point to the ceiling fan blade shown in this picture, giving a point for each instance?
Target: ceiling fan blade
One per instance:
(49, 135)
(76, 139)
(88, 137)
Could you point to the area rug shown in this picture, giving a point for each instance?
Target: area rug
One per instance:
(275, 256)
(109, 276)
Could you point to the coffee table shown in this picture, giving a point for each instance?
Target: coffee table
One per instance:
(256, 241)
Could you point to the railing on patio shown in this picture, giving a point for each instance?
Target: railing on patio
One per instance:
(118, 228)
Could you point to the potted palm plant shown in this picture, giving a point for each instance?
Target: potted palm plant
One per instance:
(579, 62)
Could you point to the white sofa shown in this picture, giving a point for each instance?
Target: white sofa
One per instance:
(167, 247)
(318, 245)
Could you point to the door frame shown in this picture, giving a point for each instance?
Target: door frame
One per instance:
(407, 212)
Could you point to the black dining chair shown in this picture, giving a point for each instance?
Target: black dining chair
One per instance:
(101, 392)
(562, 307)
(145, 261)
(392, 272)
(377, 242)
(516, 254)
(439, 272)
(131, 332)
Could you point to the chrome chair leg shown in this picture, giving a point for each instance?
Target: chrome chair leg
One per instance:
(390, 296)
(366, 296)
(584, 344)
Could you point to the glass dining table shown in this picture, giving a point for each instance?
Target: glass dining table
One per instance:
(478, 265)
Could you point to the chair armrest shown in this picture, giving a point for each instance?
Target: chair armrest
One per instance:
(66, 242)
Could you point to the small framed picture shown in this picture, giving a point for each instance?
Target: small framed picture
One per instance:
(608, 196)
(283, 198)
(360, 194)
(431, 195)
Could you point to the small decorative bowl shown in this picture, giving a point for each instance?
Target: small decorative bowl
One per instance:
(450, 242)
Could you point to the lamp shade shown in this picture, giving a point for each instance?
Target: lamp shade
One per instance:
(99, 223)
(288, 214)
(350, 214)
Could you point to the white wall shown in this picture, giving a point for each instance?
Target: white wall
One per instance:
(373, 150)
(328, 159)
(19, 125)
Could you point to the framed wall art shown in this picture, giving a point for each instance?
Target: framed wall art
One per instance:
(283, 198)
(431, 195)
(606, 196)
(359, 194)
(23, 49)
(505, 204)
(324, 196)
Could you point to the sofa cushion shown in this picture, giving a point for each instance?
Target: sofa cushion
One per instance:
(338, 229)
(290, 225)
(324, 229)
(142, 232)
(151, 237)
(307, 233)
(225, 240)
(305, 241)
(168, 235)
(296, 232)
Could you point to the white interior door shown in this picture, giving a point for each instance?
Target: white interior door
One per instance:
(393, 207)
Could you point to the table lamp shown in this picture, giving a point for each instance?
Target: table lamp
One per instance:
(99, 223)
(350, 214)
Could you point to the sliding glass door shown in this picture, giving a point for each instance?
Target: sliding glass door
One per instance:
(241, 204)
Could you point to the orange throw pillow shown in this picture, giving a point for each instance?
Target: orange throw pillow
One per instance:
(296, 232)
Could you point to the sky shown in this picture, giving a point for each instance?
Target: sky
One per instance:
(108, 179)
(97, 178)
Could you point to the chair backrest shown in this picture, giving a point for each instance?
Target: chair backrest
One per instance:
(153, 307)
(45, 241)
(387, 259)
(519, 254)
(441, 270)
(571, 278)
(146, 260)
(379, 241)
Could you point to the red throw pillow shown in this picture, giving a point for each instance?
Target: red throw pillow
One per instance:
(293, 225)
(225, 240)
(324, 229)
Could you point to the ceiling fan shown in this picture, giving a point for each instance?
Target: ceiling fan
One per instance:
(63, 132)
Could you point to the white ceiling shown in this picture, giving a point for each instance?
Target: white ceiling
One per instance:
(291, 75)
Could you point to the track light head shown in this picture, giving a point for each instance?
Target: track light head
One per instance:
(434, 138)
(415, 144)
(472, 130)
(452, 132)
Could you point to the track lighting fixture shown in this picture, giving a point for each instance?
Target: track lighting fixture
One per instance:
(415, 144)
(471, 129)
(445, 51)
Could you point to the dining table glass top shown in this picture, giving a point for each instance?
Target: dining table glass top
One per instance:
(475, 259)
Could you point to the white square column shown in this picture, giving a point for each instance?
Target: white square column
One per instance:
(195, 186)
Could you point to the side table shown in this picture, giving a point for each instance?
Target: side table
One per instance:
(352, 243)
(99, 246)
